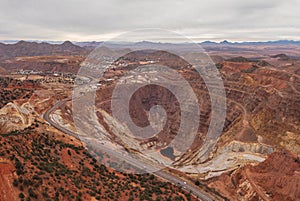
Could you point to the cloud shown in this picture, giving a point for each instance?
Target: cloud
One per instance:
(99, 20)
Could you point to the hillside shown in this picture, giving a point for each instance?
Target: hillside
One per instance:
(23, 48)
(51, 166)
(277, 178)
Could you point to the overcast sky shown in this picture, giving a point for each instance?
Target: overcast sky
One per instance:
(87, 20)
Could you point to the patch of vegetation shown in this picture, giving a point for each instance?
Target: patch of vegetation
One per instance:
(12, 89)
(249, 70)
(47, 171)
(238, 59)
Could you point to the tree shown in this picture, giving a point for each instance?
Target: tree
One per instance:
(15, 182)
(21, 195)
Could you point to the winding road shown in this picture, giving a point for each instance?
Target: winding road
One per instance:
(184, 184)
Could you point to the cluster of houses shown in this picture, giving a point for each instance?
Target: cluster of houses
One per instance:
(44, 73)
(49, 76)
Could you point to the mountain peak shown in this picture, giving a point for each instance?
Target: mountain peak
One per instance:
(67, 43)
(22, 42)
(224, 42)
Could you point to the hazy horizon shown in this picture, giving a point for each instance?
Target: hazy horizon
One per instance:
(215, 20)
(14, 41)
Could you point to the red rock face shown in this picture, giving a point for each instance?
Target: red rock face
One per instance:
(279, 175)
(277, 178)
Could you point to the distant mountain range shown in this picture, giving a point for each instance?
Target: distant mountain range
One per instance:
(277, 42)
(39, 48)
(225, 42)
(96, 43)
(24, 48)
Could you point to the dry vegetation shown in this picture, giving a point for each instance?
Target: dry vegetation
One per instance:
(50, 166)
(12, 89)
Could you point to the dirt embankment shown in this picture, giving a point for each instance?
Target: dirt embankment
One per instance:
(277, 178)
(7, 176)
